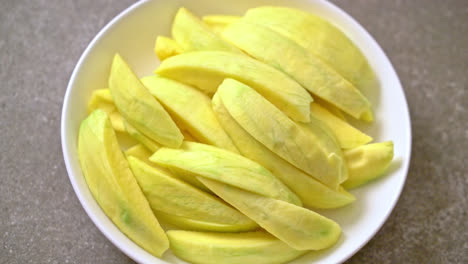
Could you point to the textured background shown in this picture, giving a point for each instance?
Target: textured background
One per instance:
(41, 221)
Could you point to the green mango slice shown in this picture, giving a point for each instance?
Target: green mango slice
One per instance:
(165, 47)
(192, 34)
(246, 248)
(224, 166)
(206, 70)
(298, 227)
(191, 108)
(319, 37)
(367, 163)
(102, 99)
(172, 196)
(113, 185)
(289, 57)
(139, 108)
(307, 149)
(311, 192)
(217, 23)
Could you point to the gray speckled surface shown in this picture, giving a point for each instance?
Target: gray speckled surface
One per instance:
(41, 220)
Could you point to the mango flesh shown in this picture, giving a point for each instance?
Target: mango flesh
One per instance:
(113, 185)
(192, 34)
(217, 23)
(102, 99)
(139, 108)
(367, 162)
(246, 248)
(206, 70)
(224, 166)
(191, 108)
(298, 227)
(172, 196)
(311, 192)
(289, 57)
(165, 47)
(141, 138)
(319, 37)
(330, 108)
(308, 150)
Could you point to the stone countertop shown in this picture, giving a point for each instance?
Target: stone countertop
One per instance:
(41, 220)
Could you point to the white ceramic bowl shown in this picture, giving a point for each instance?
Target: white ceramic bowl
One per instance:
(132, 34)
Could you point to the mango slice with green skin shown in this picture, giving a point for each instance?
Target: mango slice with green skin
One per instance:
(113, 185)
(192, 34)
(307, 150)
(206, 70)
(165, 47)
(298, 227)
(246, 248)
(170, 195)
(139, 108)
(191, 108)
(218, 23)
(224, 166)
(319, 37)
(142, 139)
(367, 163)
(311, 192)
(102, 99)
(289, 57)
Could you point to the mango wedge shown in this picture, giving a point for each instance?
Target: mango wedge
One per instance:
(294, 60)
(298, 227)
(367, 162)
(113, 185)
(330, 108)
(165, 47)
(224, 166)
(192, 34)
(311, 192)
(142, 139)
(191, 108)
(319, 37)
(314, 152)
(139, 108)
(102, 99)
(218, 23)
(172, 196)
(206, 70)
(246, 248)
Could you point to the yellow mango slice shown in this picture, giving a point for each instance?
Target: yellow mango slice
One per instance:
(206, 70)
(330, 108)
(113, 185)
(102, 99)
(367, 162)
(218, 23)
(191, 108)
(246, 248)
(165, 47)
(319, 37)
(298, 227)
(314, 152)
(224, 166)
(192, 34)
(169, 195)
(311, 192)
(139, 108)
(289, 57)
(142, 139)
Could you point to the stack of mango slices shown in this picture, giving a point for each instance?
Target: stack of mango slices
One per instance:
(241, 133)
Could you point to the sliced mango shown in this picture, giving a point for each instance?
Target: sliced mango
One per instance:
(289, 57)
(142, 139)
(319, 37)
(298, 227)
(113, 185)
(367, 162)
(165, 47)
(206, 70)
(314, 152)
(192, 34)
(311, 192)
(191, 108)
(224, 166)
(139, 108)
(218, 23)
(246, 248)
(102, 99)
(330, 108)
(170, 195)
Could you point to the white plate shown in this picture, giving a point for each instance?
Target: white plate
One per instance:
(132, 34)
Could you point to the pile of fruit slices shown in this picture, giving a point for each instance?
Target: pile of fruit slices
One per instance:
(239, 135)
